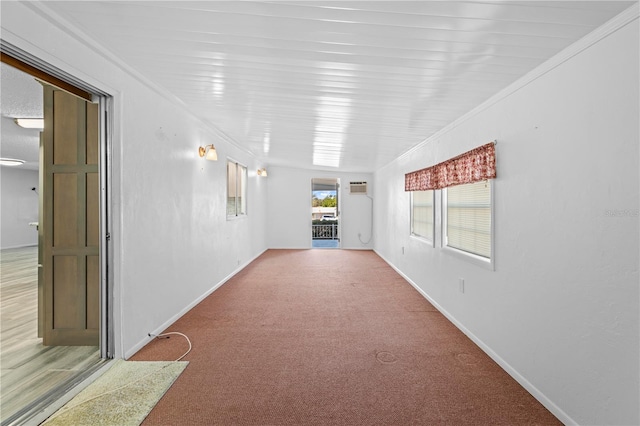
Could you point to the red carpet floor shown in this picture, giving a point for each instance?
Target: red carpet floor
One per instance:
(331, 337)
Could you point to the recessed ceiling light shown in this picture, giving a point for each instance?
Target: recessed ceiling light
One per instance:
(10, 162)
(30, 123)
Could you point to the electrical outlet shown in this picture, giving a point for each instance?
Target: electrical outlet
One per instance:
(461, 285)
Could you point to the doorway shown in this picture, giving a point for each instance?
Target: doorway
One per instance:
(44, 352)
(325, 213)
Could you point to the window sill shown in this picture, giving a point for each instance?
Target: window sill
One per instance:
(483, 262)
(423, 240)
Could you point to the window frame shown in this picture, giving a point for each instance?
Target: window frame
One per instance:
(238, 188)
(412, 234)
(487, 263)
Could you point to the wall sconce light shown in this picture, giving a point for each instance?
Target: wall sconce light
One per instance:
(209, 152)
(262, 172)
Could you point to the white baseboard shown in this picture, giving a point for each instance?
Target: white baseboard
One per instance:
(321, 248)
(535, 392)
(129, 353)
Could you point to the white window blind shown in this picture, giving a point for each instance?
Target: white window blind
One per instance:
(422, 214)
(468, 218)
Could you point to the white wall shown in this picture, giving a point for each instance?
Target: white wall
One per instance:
(289, 208)
(560, 311)
(172, 241)
(19, 206)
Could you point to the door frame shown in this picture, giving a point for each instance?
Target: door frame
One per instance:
(51, 75)
(337, 188)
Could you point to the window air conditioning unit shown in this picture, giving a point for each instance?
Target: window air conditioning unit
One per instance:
(358, 188)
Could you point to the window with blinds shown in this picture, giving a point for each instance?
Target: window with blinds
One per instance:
(236, 189)
(468, 218)
(422, 214)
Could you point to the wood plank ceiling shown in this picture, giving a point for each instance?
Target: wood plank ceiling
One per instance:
(337, 84)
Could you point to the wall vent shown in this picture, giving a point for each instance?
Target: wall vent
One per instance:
(358, 188)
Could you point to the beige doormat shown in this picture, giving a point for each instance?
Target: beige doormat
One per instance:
(124, 395)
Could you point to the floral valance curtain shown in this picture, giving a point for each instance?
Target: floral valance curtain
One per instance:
(473, 166)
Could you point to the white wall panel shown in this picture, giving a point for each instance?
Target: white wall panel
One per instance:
(289, 208)
(19, 207)
(172, 241)
(560, 311)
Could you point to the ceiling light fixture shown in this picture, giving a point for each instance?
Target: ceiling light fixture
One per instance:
(209, 152)
(30, 123)
(11, 162)
(262, 172)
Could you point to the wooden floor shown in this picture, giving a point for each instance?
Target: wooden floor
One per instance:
(29, 369)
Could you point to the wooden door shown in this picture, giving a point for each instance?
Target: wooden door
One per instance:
(70, 220)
